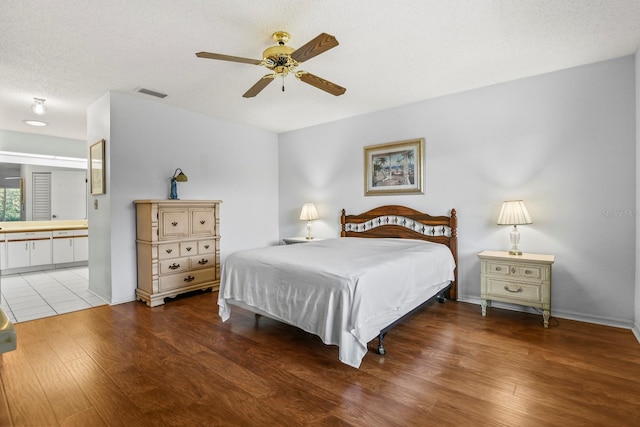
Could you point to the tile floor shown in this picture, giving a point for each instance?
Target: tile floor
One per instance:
(29, 296)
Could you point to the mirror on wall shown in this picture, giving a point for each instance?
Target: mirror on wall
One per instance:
(42, 192)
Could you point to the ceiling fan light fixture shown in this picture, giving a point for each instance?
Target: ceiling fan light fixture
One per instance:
(38, 106)
(282, 60)
(276, 53)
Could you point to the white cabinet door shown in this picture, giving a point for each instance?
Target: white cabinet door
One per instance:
(81, 248)
(40, 252)
(3, 252)
(18, 254)
(28, 249)
(63, 250)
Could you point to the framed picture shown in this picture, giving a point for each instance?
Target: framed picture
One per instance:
(394, 168)
(96, 167)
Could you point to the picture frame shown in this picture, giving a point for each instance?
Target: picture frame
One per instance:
(96, 168)
(394, 168)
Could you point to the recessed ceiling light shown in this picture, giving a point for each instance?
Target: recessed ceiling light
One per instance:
(35, 122)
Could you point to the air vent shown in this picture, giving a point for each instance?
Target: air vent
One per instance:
(152, 93)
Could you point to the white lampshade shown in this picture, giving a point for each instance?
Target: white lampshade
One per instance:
(514, 212)
(309, 212)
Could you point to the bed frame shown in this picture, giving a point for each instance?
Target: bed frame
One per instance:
(405, 223)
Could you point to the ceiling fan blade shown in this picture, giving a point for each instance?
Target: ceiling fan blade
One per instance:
(321, 83)
(260, 84)
(210, 55)
(320, 44)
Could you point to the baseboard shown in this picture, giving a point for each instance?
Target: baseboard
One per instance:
(122, 300)
(45, 267)
(560, 314)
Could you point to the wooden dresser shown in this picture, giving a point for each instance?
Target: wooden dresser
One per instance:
(178, 245)
(517, 279)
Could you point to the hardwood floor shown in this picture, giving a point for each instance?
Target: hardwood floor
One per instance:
(177, 364)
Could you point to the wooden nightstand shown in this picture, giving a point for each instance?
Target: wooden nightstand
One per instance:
(517, 279)
(294, 240)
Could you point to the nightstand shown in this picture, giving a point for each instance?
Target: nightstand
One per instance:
(517, 279)
(294, 240)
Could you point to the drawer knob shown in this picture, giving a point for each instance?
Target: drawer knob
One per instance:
(174, 266)
(508, 289)
(189, 249)
(174, 223)
(189, 279)
(203, 261)
(527, 272)
(202, 221)
(206, 246)
(498, 268)
(169, 251)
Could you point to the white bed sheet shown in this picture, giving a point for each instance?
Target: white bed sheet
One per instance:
(343, 290)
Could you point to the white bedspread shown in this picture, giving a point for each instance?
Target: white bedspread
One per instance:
(343, 290)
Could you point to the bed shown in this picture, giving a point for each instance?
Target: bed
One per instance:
(387, 263)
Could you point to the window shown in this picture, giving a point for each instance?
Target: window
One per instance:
(10, 203)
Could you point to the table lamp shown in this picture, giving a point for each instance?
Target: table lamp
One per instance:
(179, 177)
(514, 213)
(309, 213)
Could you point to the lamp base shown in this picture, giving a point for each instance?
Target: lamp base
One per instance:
(173, 194)
(309, 236)
(515, 239)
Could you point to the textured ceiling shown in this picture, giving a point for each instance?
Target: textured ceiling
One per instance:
(72, 52)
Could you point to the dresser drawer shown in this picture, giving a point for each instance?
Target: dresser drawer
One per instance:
(207, 247)
(174, 223)
(528, 271)
(188, 248)
(174, 265)
(189, 278)
(493, 267)
(203, 222)
(168, 250)
(202, 261)
(513, 291)
(513, 270)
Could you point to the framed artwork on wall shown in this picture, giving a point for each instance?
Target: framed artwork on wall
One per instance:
(394, 168)
(96, 168)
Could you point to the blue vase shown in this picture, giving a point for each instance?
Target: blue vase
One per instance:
(174, 190)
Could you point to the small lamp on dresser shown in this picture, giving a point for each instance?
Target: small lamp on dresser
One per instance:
(514, 213)
(177, 177)
(309, 213)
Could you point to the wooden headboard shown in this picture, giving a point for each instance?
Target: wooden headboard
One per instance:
(406, 223)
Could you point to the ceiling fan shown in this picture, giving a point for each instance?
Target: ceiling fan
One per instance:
(282, 60)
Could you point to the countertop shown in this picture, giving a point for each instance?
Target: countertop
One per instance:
(27, 226)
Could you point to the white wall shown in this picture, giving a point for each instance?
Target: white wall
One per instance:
(636, 327)
(564, 142)
(21, 142)
(145, 142)
(99, 216)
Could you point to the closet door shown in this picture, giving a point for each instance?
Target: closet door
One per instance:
(41, 207)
